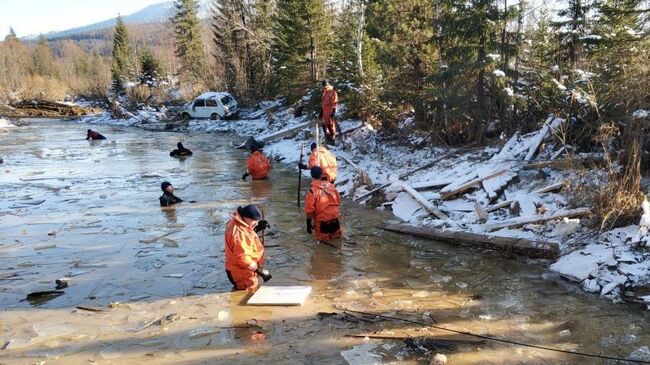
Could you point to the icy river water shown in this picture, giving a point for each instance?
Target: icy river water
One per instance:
(154, 281)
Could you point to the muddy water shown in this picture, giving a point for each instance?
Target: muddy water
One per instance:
(155, 277)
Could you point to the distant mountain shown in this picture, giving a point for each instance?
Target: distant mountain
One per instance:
(156, 13)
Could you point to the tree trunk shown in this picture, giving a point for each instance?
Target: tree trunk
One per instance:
(520, 24)
(504, 49)
(478, 134)
(362, 10)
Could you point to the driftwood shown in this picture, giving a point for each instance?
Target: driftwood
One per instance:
(425, 203)
(411, 172)
(482, 214)
(281, 134)
(519, 246)
(449, 191)
(521, 221)
(550, 188)
(432, 184)
(498, 206)
(350, 130)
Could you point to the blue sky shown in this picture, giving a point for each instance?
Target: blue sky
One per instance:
(41, 16)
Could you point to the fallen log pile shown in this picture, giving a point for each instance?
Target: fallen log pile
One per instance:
(487, 183)
(44, 109)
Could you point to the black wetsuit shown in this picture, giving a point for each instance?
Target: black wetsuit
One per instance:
(168, 199)
(94, 135)
(181, 151)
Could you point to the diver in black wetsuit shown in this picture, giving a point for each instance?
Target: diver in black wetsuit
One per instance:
(180, 151)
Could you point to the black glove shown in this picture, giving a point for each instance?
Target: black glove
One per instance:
(333, 112)
(309, 226)
(192, 201)
(302, 166)
(264, 274)
(320, 115)
(244, 176)
(262, 225)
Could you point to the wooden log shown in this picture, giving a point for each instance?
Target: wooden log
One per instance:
(432, 184)
(350, 130)
(537, 140)
(281, 134)
(347, 160)
(411, 172)
(558, 153)
(425, 203)
(521, 221)
(482, 214)
(448, 191)
(519, 246)
(498, 206)
(550, 188)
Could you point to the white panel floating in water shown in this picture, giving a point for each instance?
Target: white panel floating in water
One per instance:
(280, 295)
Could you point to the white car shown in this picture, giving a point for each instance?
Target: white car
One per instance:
(213, 105)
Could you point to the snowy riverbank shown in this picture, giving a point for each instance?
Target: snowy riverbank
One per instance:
(515, 189)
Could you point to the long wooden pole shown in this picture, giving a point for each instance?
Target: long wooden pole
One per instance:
(302, 146)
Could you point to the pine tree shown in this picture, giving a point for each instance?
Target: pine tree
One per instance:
(122, 69)
(302, 45)
(149, 68)
(188, 41)
(572, 27)
(12, 35)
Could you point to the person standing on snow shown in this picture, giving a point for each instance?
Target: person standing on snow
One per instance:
(91, 134)
(244, 251)
(322, 207)
(329, 101)
(322, 157)
(258, 165)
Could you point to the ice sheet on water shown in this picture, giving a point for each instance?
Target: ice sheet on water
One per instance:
(362, 355)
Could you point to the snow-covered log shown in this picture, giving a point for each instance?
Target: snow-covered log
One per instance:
(539, 218)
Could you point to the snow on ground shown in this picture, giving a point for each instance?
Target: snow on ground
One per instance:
(607, 264)
(4, 124)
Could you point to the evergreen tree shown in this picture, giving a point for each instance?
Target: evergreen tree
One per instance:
(12, 35)
(571, 28)
(188, 41)
(122, 69)
(149, 69)
(302, 45)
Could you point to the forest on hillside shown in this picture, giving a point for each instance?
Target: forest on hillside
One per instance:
(465, 71)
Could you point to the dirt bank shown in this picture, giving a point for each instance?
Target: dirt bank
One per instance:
(45, 109)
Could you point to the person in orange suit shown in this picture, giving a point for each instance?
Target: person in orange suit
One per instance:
(244, 249)
(329, 101)
(258, 165)
(322, 207)
(322, 157)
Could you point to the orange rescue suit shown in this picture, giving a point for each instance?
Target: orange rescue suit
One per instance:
(258, 165)
(323, 158)
(322, 206)
(329, 100)
(244, 252)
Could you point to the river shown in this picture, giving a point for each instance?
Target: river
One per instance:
(134, 263)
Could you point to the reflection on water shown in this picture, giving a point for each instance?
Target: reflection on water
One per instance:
(136, 263)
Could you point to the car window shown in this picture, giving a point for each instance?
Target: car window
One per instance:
(199, 102)
(226, 100)
(210, 102)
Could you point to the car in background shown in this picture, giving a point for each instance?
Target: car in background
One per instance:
(213, 105)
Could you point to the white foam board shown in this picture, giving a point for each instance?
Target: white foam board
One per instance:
(280, 295)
